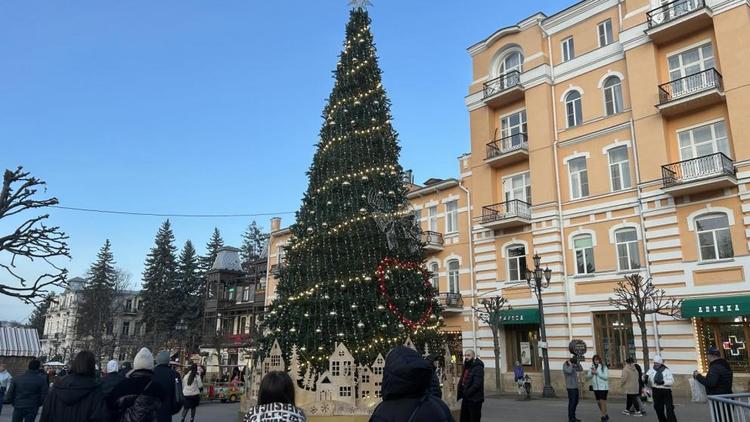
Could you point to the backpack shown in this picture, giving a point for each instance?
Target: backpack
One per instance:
(179, 398)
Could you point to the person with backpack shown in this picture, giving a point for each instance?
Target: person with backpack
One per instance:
(191, 389)
(406, 390)
(137, 398)
(660, 379)
(599, 376)
(275, 400)
(169, 381)
(78, 397)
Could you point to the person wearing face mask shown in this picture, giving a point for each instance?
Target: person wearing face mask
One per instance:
(660, 379)
(471, 388)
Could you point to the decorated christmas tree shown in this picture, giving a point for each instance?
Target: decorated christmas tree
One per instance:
(354, 270)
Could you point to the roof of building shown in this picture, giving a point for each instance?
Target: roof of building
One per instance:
(19, 342)
(227, 258)
(431, 186)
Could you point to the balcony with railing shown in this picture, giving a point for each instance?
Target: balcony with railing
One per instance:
(677, 19)
(691, 92)
(433, 241)
(451, 302)
(507, 150)
(504, 88)
(709, 172)
(277, 268)
(506, 214)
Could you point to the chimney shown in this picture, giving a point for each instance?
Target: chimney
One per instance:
(409, 177)
(227, 258)
(275, 224)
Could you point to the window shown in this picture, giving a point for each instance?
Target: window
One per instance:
(516, 262)
(518, 187)
(512, 61)
(703, 140)
(243, 323)
(614, 337)
(125, 328)
(435, 270)
(626, 241)
(612, 95)
(568, 49)
(451, 217)
(129, 305)
(619, 168)
(730, 336)
(453, 276)
(246, 294)
(275, 360)
(335, 368)
(365, 378)
(280, 254)
(417, 215)
(687, 63)
(573, 112)
(432, 218)
(714, 238)
(584, 250)
(605, 32)
(513, 130)
(579, 178)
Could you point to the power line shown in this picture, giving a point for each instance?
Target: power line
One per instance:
(155, 214)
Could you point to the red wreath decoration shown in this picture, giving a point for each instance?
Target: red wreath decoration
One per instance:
(383, 267)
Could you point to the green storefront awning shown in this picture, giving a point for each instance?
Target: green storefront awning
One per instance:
(520, 316)
(716, 306)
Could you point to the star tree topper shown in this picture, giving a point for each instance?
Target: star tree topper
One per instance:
(359, 3)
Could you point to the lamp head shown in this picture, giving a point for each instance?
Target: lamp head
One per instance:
(537, 260)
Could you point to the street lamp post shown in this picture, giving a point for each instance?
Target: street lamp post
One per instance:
(538, 279)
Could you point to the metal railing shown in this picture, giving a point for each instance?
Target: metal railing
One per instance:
(501, 83)
(452, 300)
(670, 11)
(712, 165)
(507, 144)
(277, 268)
(432, 238)
(730, 407)
(691, 84)
(504, 210)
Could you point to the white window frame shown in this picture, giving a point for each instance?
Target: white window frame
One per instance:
(604, 30)
(435, 278)
(577, 176)
(714, 141)
(502, 69)
(432, 218)
(280, 254)
(451, 216)
(583, 254)
(572, 110)
(703, 60)
(621, 167)
(509, 192)
(629, 245)
(454, 276)
(615, 92)
(507, 129)
(518, 259)
(714, 238)
(567, 49)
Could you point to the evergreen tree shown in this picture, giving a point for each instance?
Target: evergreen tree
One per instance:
(38, 316)
(253, 242)
(97, 301)
(354, 262)
(212, 249)
(190, 294)
(160, 285)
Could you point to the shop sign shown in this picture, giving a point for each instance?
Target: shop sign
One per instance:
(716, 306)
(729, 308)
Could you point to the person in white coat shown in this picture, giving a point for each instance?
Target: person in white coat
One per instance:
(599, 376)
(191, 389)
(660, 379)
(5, 379)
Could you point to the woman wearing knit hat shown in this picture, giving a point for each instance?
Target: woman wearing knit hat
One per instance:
(137, 398)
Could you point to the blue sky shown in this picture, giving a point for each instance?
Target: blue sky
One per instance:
(186, 106)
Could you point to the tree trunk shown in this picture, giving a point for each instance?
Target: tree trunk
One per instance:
(644, 343)
(496, 344)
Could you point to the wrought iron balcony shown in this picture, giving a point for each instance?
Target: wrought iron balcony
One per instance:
(451, 302)
(433, 241)
(507, 150)
(677, 18)
(691, 92)
(506, 214)
(713, 171)
(277, 268)
(506, 85)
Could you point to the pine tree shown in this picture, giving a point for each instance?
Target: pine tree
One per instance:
(190, 294)
(160, 285)
(212, 249)
(38, 316)
(97, 301)
(253, 242)
(353, 220)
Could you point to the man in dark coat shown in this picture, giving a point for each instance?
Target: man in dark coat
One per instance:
(78, 397)
(406, 390)
(167, 379)
(27, 392)
(435, 388)
(471, 388)
(137, 398)
(718, 380)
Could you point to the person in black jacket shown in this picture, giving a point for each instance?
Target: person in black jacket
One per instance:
(406, 390)
(471, 388)
(167, 379)
(78, 397)
(27, 392)
(137, 398)
(435, 388)
(718, 380)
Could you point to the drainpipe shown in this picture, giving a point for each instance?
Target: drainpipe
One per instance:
(643, 225)
(471, 266)
(559, 196)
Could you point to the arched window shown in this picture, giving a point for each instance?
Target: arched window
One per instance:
(435, 270)
(510, 62)
(612, 95)
(516, 262)
(584, 251)
(628, 257)
(453, 276)
(714, 238)
(573, 108)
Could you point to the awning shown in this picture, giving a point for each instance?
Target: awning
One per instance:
(728, 306)
(520, 316)
(19, 342)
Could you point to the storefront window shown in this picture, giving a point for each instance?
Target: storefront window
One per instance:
(614, 337)
(522, 342)
(729, 335)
